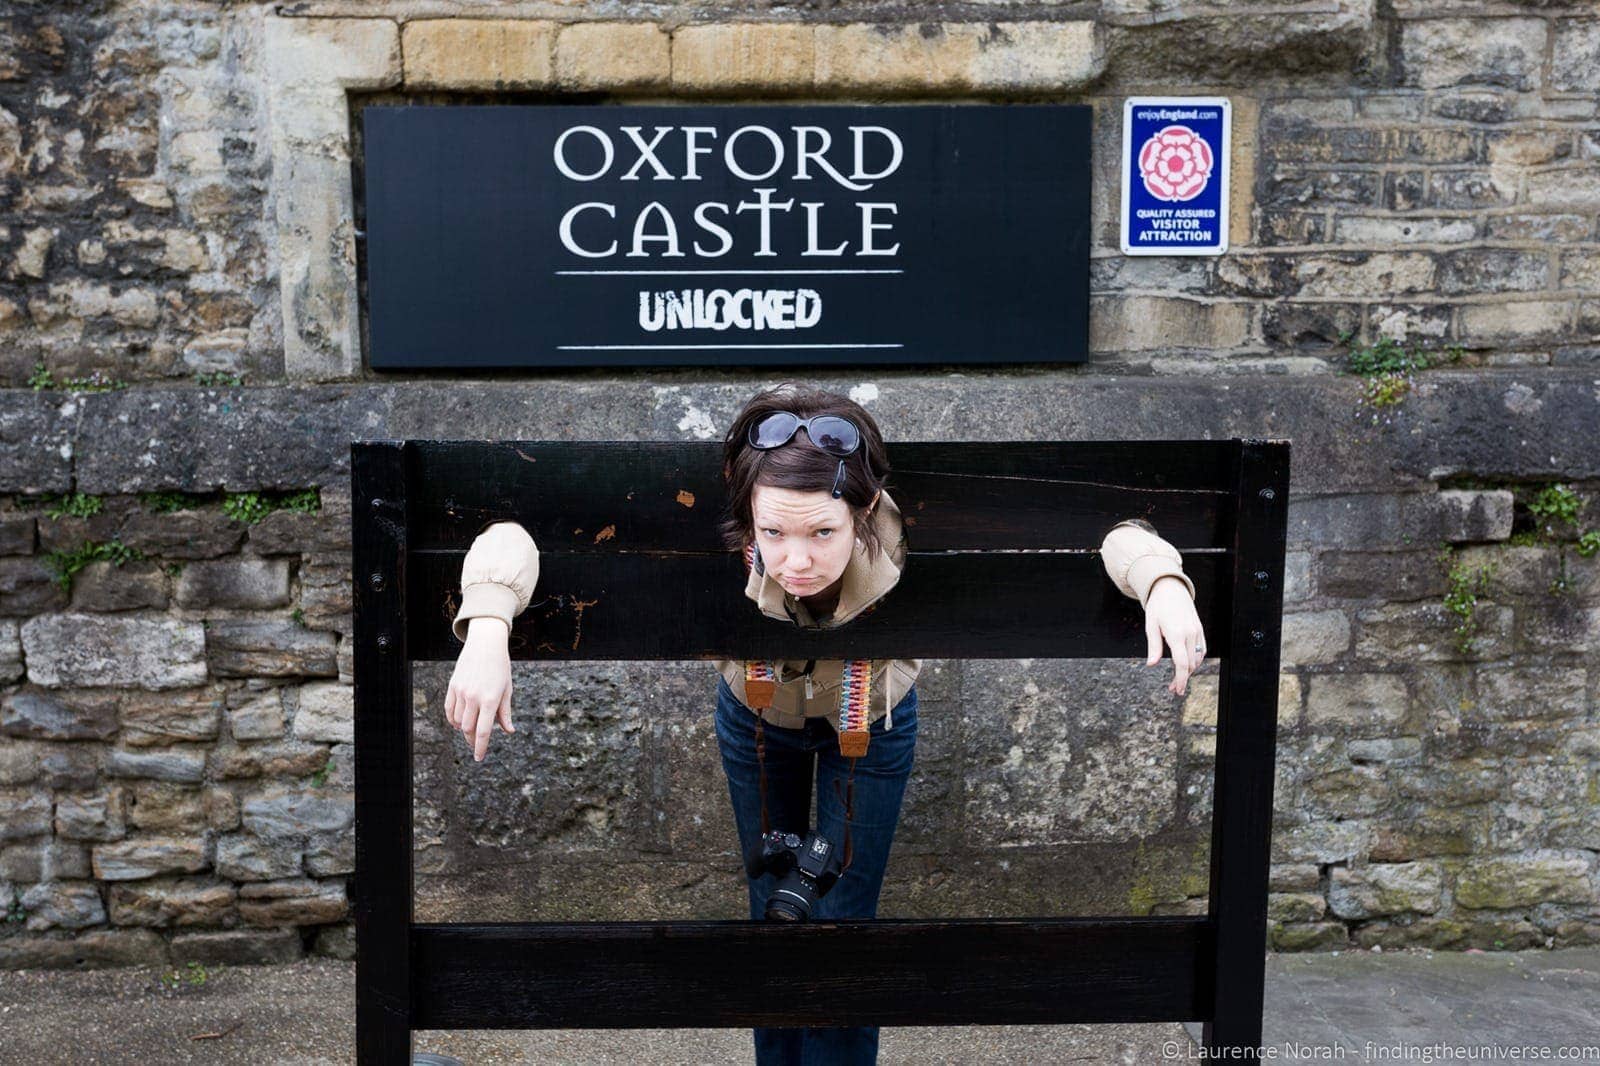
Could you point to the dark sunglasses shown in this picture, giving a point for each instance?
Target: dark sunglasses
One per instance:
(833, 434)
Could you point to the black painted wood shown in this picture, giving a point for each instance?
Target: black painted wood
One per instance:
(1247, 731)
(988, 605)
(381, 889)
(631, 975)
(646, 496)
(1007, 533)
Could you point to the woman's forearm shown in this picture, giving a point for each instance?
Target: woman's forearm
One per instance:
(498, 576)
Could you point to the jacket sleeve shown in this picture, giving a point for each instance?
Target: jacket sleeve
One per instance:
(1134, 557)
(497, 576)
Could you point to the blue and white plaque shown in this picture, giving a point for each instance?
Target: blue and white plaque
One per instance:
(1175, 175)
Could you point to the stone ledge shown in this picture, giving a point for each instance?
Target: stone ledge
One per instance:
(1502, 423)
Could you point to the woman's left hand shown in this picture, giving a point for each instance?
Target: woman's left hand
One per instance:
(1169, 614)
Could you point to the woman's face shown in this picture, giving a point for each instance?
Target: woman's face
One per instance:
(805, 538)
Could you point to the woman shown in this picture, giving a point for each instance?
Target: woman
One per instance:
(823, 542)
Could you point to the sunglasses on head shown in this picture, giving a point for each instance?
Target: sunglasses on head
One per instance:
(833, 434)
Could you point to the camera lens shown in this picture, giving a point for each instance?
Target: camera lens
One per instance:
(789, 902)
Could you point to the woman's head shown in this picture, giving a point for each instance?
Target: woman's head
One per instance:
(781, 499)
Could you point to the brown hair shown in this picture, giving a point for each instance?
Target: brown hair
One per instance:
(797, 465)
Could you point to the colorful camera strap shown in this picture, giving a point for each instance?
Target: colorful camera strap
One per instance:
(855, 692)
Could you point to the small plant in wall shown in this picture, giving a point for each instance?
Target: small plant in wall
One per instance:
(75, 504)
(1555, 509)
(64, 564)
(1466, 584)
(1389, 367)
(252, 507)
(169, 501)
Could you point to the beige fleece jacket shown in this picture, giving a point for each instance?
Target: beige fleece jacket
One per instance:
(501, 569)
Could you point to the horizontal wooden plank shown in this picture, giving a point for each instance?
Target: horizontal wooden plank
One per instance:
(707, 974)
(977, 605)
(587, 496)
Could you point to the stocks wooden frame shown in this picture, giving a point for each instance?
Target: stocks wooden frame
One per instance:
(1004, 563)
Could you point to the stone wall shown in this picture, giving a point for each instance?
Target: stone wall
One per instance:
(180, 352)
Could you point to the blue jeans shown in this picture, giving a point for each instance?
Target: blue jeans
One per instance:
(793, 756)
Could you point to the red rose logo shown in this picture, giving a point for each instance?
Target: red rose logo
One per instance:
(1175, 164)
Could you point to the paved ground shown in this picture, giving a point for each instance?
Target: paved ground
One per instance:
(1319, 1003)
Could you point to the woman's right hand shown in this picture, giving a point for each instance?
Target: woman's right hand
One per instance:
(480, 688)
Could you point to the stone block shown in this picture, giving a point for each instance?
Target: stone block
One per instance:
(59, 715)
(1575, 56)
(1390, 576)
(243, 857)
(242, 582)
(1440, 53)
(1426, 632)
(1144, 323)
(1038, 763)
(332, 854)
(10, 651)
(91, 816)
(19, 762)
(323, 534)
(1516, 322)
(222, 809)
(133, 586)
(1489, 270)
(1383, 231)
(1358, 274)
(1557, 626)
(1546, 691)
(302, 901)
(17, 534)
(953, 56)
(93, 949)
(1358, 704)
(720, 57)
(1296, 907)
(172, 902)
(326, 712)
(28, 587)
(137, 858)
(610, 56)
(161, 805)
(325, 591)
(260, 717)
(355, 53)
(1320, 842)
(236, 947)
(277, 758)
(1386, 888)
(1314, 637)
(188, 534)
(336, 941)
(488, 54)
(123, 651)
(247, 648)
(1524, 881)
(188, 715)
(278, 813)
(24, 813)
(184, 765)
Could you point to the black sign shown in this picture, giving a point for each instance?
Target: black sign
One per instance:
(559, 236)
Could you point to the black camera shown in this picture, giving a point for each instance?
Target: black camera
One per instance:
(805, 869)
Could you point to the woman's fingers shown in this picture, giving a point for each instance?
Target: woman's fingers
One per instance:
(450, 705)
(505, 711)
(484, 730)
(1152, 633)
